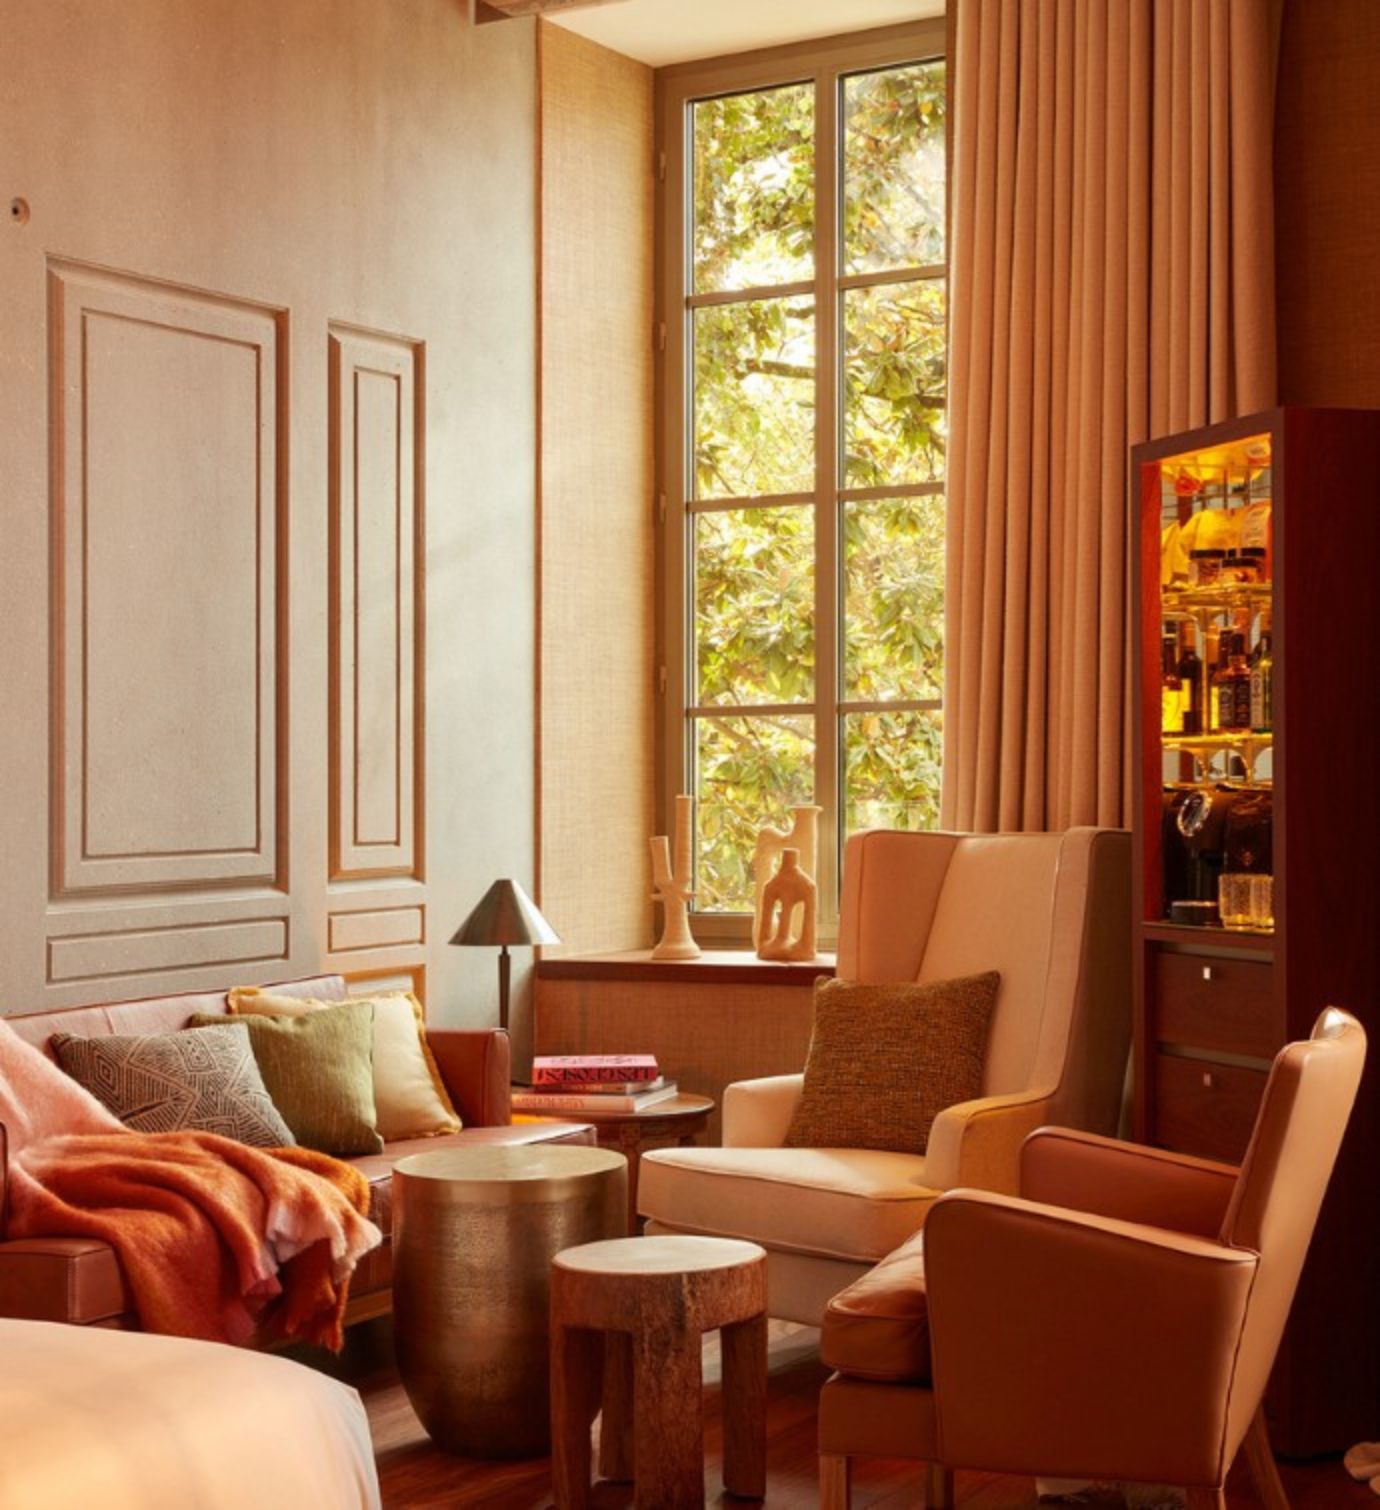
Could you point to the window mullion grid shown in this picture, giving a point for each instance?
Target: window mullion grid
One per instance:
(828, 785)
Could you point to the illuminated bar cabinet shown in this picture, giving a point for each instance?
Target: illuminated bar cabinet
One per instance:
(1256, 590)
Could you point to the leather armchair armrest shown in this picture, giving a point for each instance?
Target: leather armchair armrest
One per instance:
(476, 1065)
(757, 1113)
(1105, 1177)
(979, 1142)
(1074, 1345)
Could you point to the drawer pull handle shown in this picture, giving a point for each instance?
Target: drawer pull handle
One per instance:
(1207, 972)
(1208, 1081)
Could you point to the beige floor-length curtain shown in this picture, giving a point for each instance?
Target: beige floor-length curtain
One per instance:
(1112, 279)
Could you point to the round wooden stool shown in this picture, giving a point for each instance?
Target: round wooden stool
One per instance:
(633, 1311)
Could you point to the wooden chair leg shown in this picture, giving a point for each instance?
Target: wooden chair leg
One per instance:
(1260, 1458)
(668, 1423)
(576, 1365)
(939, 1487)
(744, 1349)
(616, 1426)
(835, 1487)
(1205, 1499)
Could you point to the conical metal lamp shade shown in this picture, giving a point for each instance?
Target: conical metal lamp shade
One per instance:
(505, 914)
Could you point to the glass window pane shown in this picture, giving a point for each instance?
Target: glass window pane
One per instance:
(893, 561)
(893, 166)
(754, 398)
(755, 605)
(750, 771)
(754, 195)
(893, 382)
(891, 770)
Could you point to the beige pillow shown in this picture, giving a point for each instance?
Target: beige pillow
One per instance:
(318, 1069)
(886, 1059)
(410, 1099)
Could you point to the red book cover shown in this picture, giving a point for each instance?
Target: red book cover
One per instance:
(591, 1069)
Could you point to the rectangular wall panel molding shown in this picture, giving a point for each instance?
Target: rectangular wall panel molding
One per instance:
(168, 506)
(376, 608)
(376, 928)
(116, 953)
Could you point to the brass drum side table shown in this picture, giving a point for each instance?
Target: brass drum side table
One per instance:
(474, 1233)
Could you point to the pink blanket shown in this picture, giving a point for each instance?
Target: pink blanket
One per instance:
(217, 1240)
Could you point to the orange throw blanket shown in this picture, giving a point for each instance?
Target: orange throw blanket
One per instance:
(217, 1240)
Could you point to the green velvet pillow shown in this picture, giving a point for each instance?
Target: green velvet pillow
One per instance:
(319, 1070)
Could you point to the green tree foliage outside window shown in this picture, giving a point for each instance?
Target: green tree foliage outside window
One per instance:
(753, 429)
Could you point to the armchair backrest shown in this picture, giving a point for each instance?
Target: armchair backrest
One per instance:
(1298, 1132)
(1050, 912)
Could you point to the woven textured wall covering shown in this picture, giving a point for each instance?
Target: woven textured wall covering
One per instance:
(204, 1081)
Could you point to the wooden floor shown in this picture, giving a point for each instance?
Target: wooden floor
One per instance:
(413, 1473)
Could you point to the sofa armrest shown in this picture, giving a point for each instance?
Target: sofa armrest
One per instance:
(1067, 1344)
(476, 1065)
(978, 1142)
(757, 1113)
(1084, 1172)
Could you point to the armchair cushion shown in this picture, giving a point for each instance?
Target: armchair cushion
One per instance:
(887, 1058)
(879, 1326)
(854, 1204)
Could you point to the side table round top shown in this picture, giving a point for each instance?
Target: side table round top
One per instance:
(511, 1164)
(681, 1105)
(658, 1255)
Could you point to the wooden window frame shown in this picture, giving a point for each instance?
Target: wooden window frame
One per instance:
(827, 62)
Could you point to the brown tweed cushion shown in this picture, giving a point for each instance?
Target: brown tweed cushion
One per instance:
(178, 1082)
(886, 1059)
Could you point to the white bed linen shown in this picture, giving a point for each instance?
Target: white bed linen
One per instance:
(129, 1421)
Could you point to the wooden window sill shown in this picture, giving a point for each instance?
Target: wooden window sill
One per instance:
(723, 967)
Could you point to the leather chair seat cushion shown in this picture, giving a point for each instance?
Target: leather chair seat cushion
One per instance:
(879, 1327)
(856, 1204)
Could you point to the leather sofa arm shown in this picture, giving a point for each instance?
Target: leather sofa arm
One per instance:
(757, 1113)
(1074, 1345)
(979, 1142)
(476, 1065)
(1105, 1177)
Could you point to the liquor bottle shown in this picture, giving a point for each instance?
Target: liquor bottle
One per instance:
(1190, 670)
(1171, 689)
(1214, 658)
(1263, 679)
(1231, 687)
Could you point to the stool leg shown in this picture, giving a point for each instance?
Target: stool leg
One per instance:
(668, 1424)
(745, 1407)
(616, 1426)
(835, 1486)
(576, 1365)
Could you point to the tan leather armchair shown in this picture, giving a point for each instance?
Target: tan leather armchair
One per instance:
(1117, 1320)
(1051, 913)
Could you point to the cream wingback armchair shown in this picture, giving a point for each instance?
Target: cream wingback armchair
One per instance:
(1051, 913)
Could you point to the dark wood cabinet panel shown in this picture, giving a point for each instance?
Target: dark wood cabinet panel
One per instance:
(1205, 1108)
(1228, 1005)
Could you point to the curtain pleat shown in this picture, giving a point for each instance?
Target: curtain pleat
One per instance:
(1112, 279)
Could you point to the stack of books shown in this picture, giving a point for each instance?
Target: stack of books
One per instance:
(575, 1084)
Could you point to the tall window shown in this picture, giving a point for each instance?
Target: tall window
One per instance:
(802, 451)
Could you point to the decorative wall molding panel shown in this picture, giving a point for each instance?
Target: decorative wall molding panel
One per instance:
(108, 956)
(168, 507)
(375, 928)
(377, 469)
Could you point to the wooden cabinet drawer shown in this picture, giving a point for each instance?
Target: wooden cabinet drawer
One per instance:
(1204, 1108)
(1228, 1005)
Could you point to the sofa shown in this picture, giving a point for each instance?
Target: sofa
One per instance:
(80, 1281)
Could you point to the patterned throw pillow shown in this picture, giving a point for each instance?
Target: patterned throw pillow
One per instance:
(319, 1069)
(886, 1059)
(175, 1082)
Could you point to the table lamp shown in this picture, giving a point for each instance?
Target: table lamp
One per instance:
(505, 915)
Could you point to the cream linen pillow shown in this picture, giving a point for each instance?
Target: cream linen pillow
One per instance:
(410, 1099)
